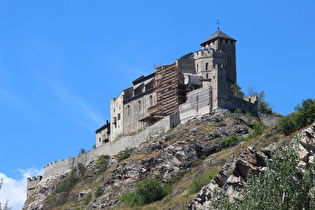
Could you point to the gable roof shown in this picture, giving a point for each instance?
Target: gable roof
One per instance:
(218, 34)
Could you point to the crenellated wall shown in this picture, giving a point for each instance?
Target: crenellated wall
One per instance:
(111, 148)
(32, 183)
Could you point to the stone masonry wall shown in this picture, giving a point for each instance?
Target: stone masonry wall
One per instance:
(31, 184)
(112, 148)
(198, 103)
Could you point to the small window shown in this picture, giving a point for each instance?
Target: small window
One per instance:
(139, 102)
(206, 76)
(197, 68)
(119, 116)
(151, 100)
(206, 66)
(99, 139)
(128, 110)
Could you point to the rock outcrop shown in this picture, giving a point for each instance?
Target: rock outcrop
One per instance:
(188, 150)
(232, 177)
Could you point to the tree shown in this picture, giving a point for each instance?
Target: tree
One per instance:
(283, 185)
(305, 112)
(82, 151)
(5, 207)
(263, 106)
(251, 91)
(236, 90)
(304, 115)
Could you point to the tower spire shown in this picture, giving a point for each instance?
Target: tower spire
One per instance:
(218, 23)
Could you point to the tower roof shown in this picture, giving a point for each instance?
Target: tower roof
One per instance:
(218, 34)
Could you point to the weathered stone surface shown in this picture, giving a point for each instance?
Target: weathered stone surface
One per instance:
(167, 156)
(251, 160)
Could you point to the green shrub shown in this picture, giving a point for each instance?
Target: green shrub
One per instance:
(259, 129)
(147, 191)
(124, 154)
(99, 192)
(201, 181)
(196, 185)
(236, 90)
(215, 135)
(81, 168)
(69, 182)
(82, 151)
(281, 186)
(249, 114)
(304, 115)
(102, 159)
(238, 111)
(230, 141)
(198, 150)
(88, 198)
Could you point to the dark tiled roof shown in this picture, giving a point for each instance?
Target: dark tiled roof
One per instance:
(218, 34)
(142, 78)
(107, 125)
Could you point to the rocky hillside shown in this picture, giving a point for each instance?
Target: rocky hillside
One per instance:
(193, 159)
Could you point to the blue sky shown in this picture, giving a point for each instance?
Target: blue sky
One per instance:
(62, 61)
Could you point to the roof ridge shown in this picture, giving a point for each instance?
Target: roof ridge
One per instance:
(218, 34)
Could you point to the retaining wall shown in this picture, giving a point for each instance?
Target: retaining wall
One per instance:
(111, 148)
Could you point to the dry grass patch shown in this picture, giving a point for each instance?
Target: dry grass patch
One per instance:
(142, 156)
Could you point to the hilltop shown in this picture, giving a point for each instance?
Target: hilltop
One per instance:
(215, 148)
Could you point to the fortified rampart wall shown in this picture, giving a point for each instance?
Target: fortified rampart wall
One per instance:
(111, 148)
(32, 183)
(234, 103)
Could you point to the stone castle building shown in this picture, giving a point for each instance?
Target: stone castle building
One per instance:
(196, 84)
(205, 75)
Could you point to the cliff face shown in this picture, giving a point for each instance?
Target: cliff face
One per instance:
(190, 152)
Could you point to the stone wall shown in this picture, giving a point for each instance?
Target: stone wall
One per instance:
(198, 103)
(234, 103)
(31, 184)
(116, 116)
(112, 148)
(103, 134)
(137, 109)
(186, 64)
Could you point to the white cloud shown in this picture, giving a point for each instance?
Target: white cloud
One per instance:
(14, 190)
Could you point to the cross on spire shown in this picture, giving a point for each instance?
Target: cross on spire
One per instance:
(218, 23)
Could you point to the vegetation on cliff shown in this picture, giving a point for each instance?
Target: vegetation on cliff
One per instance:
(283, 185)
(304, 115)
(171, 171)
